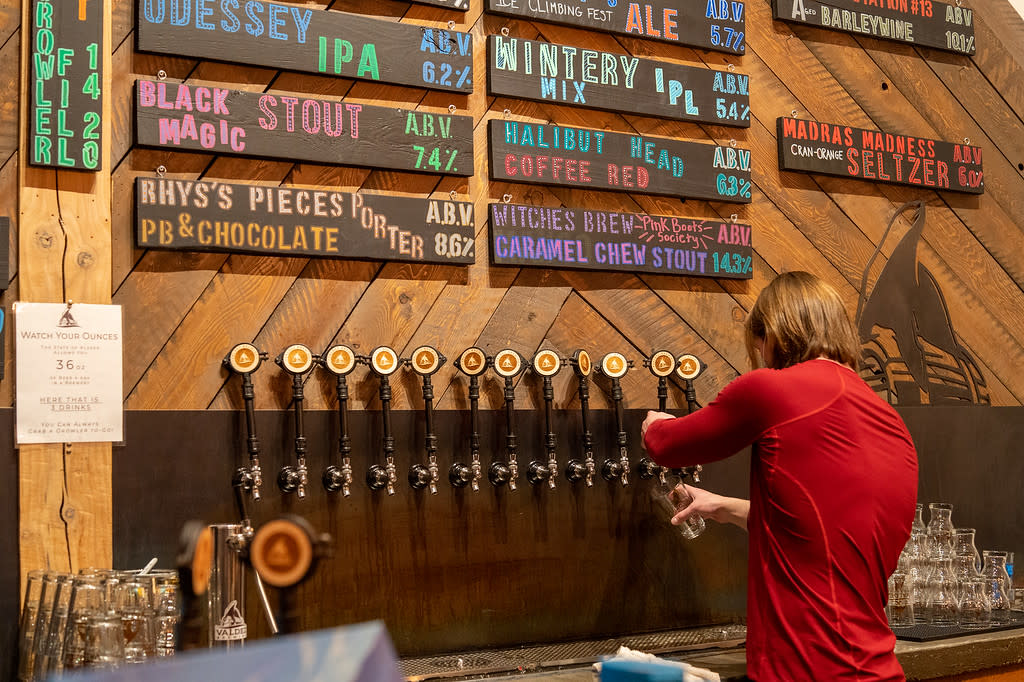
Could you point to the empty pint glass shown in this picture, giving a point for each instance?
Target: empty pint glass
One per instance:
(669, 501)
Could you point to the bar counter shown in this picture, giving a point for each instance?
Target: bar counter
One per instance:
(995, 656)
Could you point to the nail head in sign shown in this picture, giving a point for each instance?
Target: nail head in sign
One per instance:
(426, 360)
(662, 363)
(614, 365)
(689, 367)
(546, 363)
(507, 363)
(244, 358)
(340, 360)
(282, 552)
(583, 364)
(297, 358)
(384, 360)
(473, 361)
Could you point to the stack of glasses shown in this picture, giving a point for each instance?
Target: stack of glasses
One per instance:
(96, 619)
(941, 580)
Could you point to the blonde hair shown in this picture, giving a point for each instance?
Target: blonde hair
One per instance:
(800, 317)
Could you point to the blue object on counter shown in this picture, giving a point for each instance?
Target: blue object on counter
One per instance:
(639, 671)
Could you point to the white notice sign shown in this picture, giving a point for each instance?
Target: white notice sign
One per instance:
(68, 363)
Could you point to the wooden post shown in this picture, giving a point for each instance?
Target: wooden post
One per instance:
(64, 254)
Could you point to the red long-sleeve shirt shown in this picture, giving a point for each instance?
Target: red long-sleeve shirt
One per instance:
(833, 485)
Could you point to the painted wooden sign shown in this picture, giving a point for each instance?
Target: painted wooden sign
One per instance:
(544, 154)
(299, 221)
(65, 85)
(617, 82)
(624, 242)
(920, 22)
(308, 39)
(716, 25)
(277, 126)
(835, 149)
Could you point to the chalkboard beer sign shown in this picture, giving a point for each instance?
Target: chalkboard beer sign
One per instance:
(587, 239)
(561, 74)
(282, 126)
(836, 149)
(310, 40)
(545, 154)
(300, 221)
(715, 25)
(920, 22)
(65, 85)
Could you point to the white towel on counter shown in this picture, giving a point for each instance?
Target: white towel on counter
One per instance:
(690, 673)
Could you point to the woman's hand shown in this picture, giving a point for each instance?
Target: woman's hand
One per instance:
(709, 505)
(652, 417)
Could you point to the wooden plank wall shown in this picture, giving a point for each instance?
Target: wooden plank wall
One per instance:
(183, 311)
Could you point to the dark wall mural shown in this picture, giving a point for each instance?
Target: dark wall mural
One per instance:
(911, 353)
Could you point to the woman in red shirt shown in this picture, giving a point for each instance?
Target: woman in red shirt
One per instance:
(833, 485)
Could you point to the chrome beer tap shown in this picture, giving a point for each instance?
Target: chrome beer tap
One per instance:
(688, 368)
(340, 361)
(575, 469)
(473, 362)
(296, 360)
(614, 366)
(507, 364)
(384, 361)
(244, 359)
(425, 361)
(546, 363)
(661, 363)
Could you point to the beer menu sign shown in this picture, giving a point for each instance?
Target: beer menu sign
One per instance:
(308, 39)
(65, 84)
(282, 126)
(715, 25)
(835, 149)
(562, 74)
(545, 154)
(919, 22)
(298, 221)
(627, 242)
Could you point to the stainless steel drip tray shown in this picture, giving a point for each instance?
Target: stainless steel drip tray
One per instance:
(552, 656)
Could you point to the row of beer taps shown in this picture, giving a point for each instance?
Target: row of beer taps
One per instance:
(298, 361)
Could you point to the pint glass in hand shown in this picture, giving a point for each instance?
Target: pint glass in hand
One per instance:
(670, 501)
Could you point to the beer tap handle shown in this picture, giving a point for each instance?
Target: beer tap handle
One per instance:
(661, 364)
(244, 359)
(575, 469)
(614, 366)
(384, 362)
(472, 362)
(426, 361)
(546, 364)
(340, 361)
(508, 364)
(296, 360)
(688, 368)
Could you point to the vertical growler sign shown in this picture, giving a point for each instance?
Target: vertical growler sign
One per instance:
(301, 221)
(282, 126)
(921, 22)
(596, 159)
(310, 40)
(66, 100)
(835, 149)
(714, 25)
(628, 242)
(616, 82)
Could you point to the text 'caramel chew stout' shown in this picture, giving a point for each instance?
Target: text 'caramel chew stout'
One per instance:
(310, 40)
(836, 149)
(562, 74)
(295, 128)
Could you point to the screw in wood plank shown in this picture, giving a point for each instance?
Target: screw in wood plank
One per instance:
(161, 75)
(504, 31)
